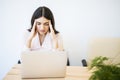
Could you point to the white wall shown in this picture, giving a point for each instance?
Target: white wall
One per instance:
(77, 20)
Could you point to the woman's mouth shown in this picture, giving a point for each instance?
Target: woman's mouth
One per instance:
(42, 30)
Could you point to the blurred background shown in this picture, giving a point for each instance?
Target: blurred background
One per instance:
(79, 22)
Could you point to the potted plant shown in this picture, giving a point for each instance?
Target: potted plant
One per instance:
(104, 71)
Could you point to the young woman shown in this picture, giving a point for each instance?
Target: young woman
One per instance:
(42, 34)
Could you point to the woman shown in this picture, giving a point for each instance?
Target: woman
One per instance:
(42, 34)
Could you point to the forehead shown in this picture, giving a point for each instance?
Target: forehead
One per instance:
(42, 19)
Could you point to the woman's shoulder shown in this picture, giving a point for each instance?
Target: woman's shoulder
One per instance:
(58, 35)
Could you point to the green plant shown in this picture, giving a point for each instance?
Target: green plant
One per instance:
(104, 71)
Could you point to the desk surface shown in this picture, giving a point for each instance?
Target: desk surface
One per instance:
(73, 73)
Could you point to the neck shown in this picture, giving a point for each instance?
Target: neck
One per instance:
(42, 35)
(41, 38)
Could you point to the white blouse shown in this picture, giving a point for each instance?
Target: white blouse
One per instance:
(47, 43)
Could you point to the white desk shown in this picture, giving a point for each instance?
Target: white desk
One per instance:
(73, 73)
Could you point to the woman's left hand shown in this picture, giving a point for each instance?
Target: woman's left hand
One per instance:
(52, 33)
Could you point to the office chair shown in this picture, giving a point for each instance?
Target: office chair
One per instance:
(84, 63)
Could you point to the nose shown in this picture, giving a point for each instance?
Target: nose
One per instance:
(42, 27)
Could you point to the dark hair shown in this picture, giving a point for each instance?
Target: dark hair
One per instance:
(43, 12)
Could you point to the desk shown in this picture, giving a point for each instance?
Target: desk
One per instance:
(73, 73)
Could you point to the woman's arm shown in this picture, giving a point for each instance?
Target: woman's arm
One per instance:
(32, 35)
(59, 42)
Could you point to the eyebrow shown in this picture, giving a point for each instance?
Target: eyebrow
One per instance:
(43, 23)
(46, 22)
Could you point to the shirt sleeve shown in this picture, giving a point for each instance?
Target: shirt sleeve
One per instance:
(25, 37)
(60, 42)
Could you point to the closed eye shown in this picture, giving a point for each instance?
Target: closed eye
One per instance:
(38, 23)
(46, 24)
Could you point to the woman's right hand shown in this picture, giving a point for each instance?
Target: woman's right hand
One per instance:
(33, 31)
(32, 35)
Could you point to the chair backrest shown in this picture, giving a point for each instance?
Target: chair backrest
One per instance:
(109, 47)
(84, 63)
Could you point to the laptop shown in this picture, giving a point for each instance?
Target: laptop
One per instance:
(43, 64)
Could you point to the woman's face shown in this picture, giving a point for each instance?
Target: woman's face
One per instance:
(42, 25)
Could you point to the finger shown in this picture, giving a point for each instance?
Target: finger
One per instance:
(34, 25)
(52, 31)
(34, 31)
(51, 28)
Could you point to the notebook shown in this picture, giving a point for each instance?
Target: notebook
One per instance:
(43, 64)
